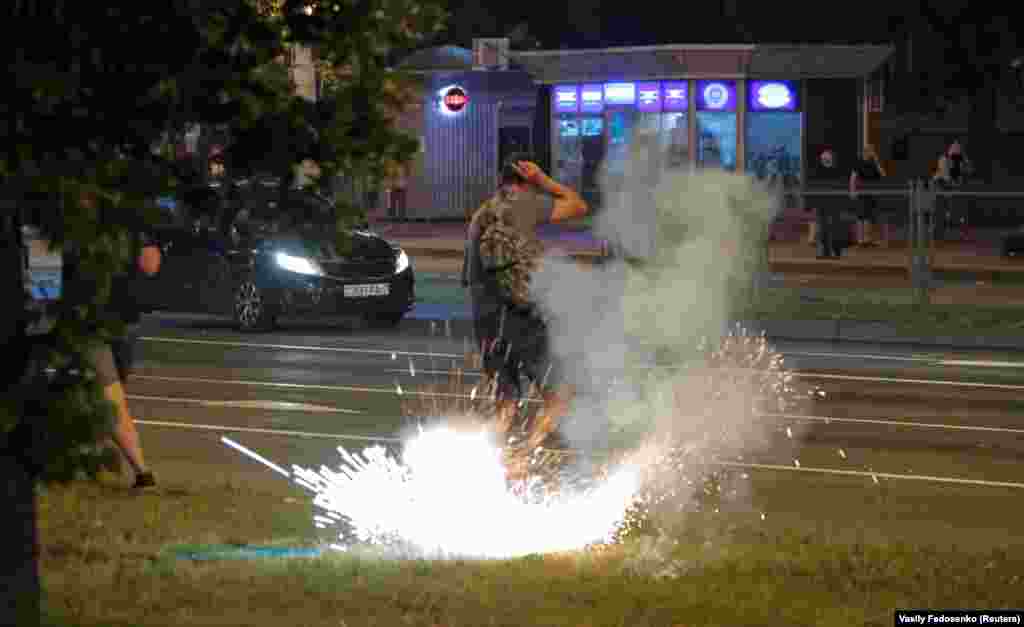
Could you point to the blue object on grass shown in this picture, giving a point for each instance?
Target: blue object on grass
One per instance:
(247, 552)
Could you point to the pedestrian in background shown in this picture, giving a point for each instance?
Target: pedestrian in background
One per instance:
(829, 238)
(868, 169)
(952, 171)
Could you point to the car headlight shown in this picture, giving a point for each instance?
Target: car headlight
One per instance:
(298, 265)
(402, 262)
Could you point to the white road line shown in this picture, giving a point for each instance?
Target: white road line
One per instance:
(850, 377)
(915, 358)
(326, 349)
(298, 386)
(935, 360)
(896, 423)
(746, 465)
(227, 428)
(250, 404)
(879, 475)
(981, 363)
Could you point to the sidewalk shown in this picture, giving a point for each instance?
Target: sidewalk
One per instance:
(982, 259)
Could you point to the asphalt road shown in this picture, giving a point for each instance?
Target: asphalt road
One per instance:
(948, 422)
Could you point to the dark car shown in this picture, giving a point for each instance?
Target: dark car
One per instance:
(231, 250)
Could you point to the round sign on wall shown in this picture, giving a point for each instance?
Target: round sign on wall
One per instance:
(454, 99)
(716, 95)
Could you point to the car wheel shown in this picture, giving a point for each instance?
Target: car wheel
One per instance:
(384, 320)
(251, 311)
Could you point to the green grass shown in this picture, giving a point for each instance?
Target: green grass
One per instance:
(893, 306)
(831, 551)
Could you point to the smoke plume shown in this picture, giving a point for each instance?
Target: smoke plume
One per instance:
(688, 245)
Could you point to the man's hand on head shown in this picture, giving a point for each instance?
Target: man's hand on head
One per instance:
(530, 171)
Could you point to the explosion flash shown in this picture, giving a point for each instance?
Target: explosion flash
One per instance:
(448, 497)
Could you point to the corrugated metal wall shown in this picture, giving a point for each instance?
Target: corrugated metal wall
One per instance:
(461, 161)
(458, 168)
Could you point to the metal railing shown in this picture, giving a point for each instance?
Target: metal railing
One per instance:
(927, 209)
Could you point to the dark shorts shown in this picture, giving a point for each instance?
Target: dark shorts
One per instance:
(867, 210)
(113, 362)
(521, 351)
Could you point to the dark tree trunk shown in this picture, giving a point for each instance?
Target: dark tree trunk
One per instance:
(19, 570)
(20, 590)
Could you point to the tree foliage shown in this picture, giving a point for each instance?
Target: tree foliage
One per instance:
(95, 91)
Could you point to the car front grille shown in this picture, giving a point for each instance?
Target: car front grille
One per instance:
(359, 269)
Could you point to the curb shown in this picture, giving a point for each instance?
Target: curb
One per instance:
(782, 266)
(451, 253)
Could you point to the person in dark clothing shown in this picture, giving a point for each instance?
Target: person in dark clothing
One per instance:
(869, 169)
(953, 170)
(509, 328)
(113, 361)
(830, 238)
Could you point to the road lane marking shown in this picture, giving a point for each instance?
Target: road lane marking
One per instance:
(299, 386)
(965, 384)
(915, 358)
(934, 360)
(875, 475)
(292, 347)
(746, 465)
(981, 363)
(896, 423)
(286, 432)
(250, 404)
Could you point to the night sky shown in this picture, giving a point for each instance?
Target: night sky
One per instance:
(591, 23)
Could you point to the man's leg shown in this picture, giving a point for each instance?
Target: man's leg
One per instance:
(125, 436)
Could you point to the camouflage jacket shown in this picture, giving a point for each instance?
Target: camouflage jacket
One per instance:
(508, 256)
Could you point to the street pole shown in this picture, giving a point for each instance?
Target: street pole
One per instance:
(922, 203)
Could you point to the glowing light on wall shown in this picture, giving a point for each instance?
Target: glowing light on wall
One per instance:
(567, 98)
(453, 100)
(716, 96)
(772, 96)
(620, 93)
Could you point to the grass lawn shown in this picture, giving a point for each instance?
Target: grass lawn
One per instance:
(889, 305)
(855, 555)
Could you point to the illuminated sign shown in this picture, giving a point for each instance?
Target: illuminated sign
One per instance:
(648, 97)
(592, 98)
(772, 96)
(716, 96)
(567, 99)
(454, 100)
(620, 93)
(673, 96)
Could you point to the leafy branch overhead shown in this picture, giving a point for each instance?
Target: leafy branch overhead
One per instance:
(95, 97)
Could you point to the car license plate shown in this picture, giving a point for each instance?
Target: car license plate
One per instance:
(364, 291)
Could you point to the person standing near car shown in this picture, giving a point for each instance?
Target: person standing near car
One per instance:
(868, 169)
(112, 361)
(502, 253)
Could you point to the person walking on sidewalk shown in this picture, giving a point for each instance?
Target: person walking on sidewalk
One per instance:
(953, 170)
(869, 169)
(502, 253)
(113, 361)
(829, 239)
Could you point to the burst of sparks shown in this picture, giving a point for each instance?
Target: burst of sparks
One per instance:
(448, 497)
(459, 490)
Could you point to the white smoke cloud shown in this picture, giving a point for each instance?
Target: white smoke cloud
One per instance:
(698, 232)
